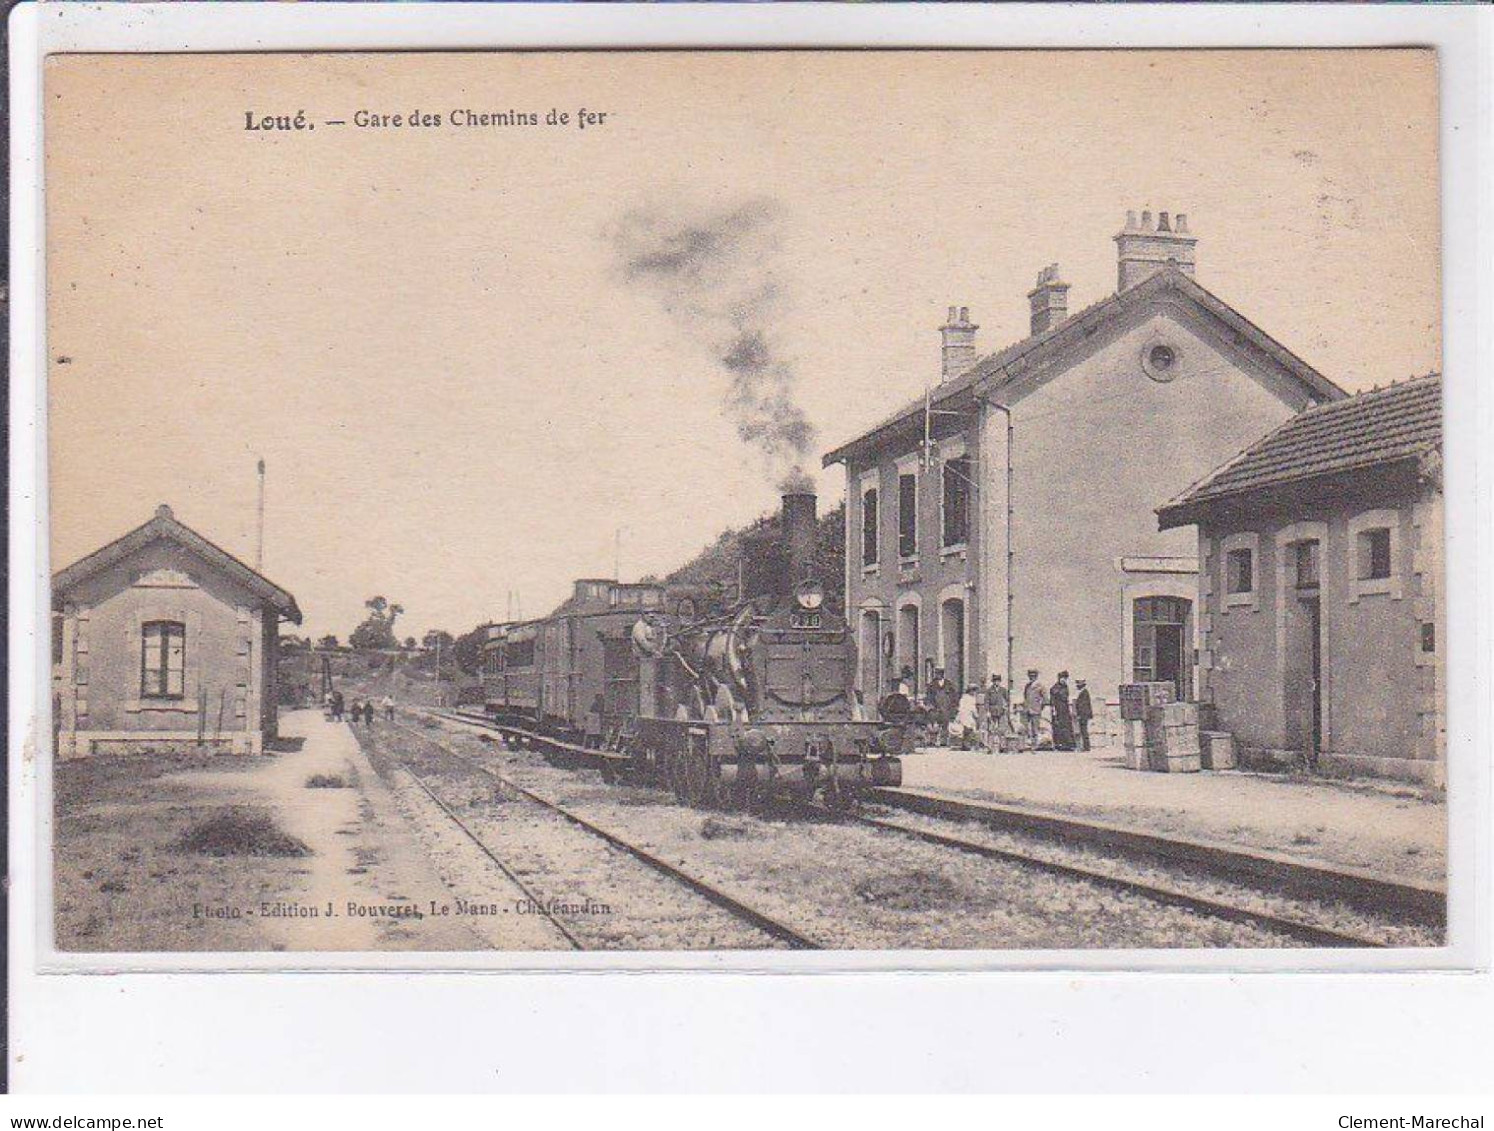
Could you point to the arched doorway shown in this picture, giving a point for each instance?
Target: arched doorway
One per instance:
(1162, 642)
(907, 645)
(869, 654)
(952, 640)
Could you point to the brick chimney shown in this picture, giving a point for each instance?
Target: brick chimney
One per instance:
(1145, 248)
(958, 334)
(1049, 299)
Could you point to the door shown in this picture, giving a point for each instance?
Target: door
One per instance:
(1169, 645)
(953, 638)
(1162, 647)
(1315, 687)
(868, 646)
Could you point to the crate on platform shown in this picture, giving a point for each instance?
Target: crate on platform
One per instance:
(1176, 763)
(1133, 732)
(1171, 715)
(1167, 741)
(1138, 758)
(1135, 698)
(1217, 750)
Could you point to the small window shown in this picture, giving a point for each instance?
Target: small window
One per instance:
(869, 527)
(1305, 557)
(1240, 572)
(163, 653)
(1429, 637)
(1374, 554)
(957, 501)
(907, 515)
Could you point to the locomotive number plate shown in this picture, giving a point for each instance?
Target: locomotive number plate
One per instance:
(805, 620)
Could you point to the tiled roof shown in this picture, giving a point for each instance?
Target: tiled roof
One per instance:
(164, 526)
(1400, 422)
(993, 370)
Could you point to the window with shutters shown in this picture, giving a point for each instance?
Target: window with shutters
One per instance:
(163, 656)
(869, 532)
(956, 510)
(907, 515)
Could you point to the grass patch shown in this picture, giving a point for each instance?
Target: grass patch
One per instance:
(918, 890)
(326, 781)
(240, 830)
(717, 828)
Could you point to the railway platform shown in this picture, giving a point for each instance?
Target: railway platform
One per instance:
(1396, 831)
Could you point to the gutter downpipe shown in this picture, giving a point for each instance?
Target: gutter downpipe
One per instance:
(1011, 553)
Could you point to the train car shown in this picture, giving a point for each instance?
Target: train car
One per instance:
(760, 703)
(511, 681)
(572, 675)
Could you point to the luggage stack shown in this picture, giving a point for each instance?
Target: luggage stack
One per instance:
(1135, 700)
(1172, 738)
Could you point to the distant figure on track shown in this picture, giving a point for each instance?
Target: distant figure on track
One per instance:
(368, 713)
(337, 706)
(389, 708)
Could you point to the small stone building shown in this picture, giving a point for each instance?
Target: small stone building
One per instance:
(1320, 577)
(1006, 518)
(163, 641)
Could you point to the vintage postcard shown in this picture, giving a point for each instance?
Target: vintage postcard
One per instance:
(732, 502)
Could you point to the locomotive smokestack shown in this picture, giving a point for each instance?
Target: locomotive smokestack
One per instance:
(800, 528)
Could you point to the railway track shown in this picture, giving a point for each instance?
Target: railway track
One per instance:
(781, 932)
(1300, 930)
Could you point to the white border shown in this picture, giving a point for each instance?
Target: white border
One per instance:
(561, 1021)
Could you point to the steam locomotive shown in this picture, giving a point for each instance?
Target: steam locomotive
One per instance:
(729, 705)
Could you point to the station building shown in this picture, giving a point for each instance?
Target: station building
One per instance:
(1320, 552)
(163, 641)
(1004, 519)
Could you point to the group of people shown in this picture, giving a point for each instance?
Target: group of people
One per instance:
(360, 710)
(986, 716)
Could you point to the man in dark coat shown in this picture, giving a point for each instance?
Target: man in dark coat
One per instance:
(1083, 711)
(943, 699)
(1063, 720)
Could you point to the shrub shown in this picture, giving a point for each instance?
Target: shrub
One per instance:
(240, 830)
(326, 781)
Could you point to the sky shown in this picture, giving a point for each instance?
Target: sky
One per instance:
(480, 361)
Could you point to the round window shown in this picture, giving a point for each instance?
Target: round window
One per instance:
(1160, 361)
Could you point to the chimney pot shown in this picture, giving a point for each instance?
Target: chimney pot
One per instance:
(958, 343)
(1130, 220)
(1143, 252)
(1049, 300)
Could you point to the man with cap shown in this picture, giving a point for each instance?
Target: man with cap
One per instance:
(1034, 701)
(943, 699)
(1083, 711)
(998, 712)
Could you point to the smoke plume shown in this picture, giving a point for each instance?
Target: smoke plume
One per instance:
(715, 274)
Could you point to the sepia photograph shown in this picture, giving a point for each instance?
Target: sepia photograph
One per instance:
(728, 502)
